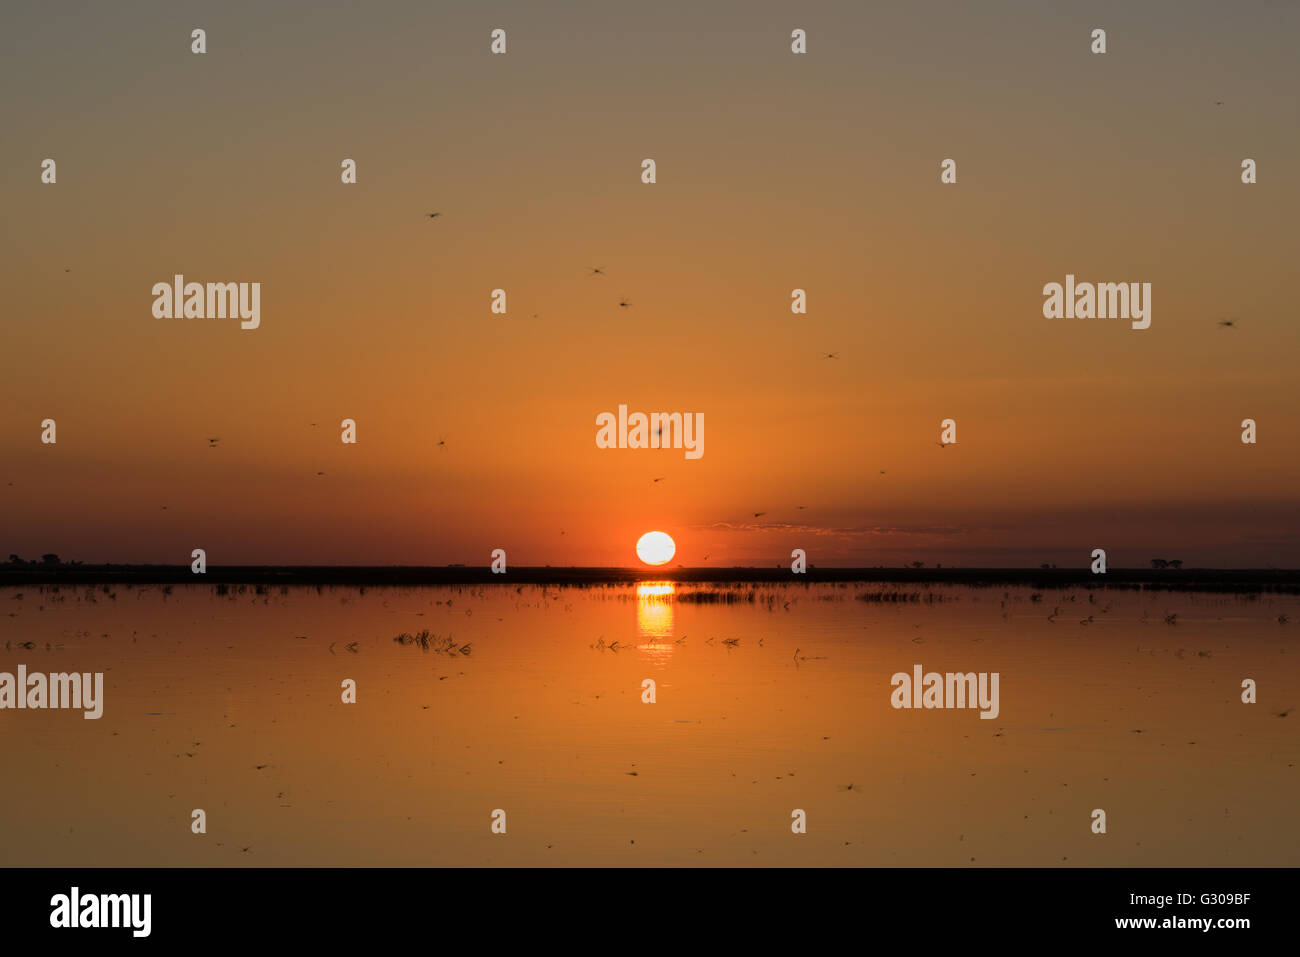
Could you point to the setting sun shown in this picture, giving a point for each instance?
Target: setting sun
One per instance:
(655, 548)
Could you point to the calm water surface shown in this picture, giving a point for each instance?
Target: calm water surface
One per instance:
(528, 699)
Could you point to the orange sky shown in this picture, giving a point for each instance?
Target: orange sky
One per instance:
(775, 171)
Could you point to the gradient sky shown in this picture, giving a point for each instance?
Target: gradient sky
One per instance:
(775, 171)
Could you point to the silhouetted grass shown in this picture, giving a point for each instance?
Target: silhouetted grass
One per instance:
(239, 578)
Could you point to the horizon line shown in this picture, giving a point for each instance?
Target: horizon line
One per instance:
(1231, 579)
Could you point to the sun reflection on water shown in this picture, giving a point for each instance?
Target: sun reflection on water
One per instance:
(654, 610)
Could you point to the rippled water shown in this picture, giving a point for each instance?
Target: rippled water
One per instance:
(529, 700)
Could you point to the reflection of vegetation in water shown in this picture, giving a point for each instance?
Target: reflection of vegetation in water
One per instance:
(438, 644)
(1051, 598)
(779, 595)
(899, 597)
(720, 597)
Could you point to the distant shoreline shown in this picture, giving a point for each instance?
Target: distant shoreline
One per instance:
(1197, 579)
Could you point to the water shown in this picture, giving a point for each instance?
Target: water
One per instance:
(522, 701)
